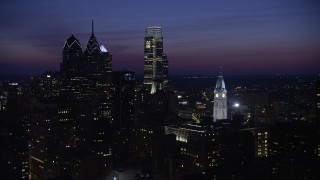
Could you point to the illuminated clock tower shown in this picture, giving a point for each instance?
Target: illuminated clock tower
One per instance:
(220, 99)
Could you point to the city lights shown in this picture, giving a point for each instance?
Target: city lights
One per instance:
(156, 104)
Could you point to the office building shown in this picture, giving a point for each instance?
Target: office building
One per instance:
(155, 61)
(71, 135)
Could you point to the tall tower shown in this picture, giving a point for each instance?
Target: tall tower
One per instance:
(72, 57)
(155, 61)
(220, 99)
(73, 81)
(99, 72)
(99, 60)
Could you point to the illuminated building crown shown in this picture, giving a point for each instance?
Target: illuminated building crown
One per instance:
(220, 85)
(72, 42)
(93, 45)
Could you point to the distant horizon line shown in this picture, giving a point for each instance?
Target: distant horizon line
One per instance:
(184, 75)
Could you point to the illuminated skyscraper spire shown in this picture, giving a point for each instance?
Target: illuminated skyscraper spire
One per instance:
(93, 46)
(99, 60)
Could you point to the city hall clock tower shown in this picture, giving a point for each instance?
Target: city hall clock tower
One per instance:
(220, 99)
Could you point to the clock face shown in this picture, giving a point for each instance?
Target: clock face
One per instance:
(217, 95)
(223, 95)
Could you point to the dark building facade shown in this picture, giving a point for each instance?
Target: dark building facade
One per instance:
(318, 99)
(124, 97)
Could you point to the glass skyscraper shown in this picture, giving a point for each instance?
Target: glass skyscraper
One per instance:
(155, 61)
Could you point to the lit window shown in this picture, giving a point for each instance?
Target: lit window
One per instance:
(223, 95)
(217, 95)
(148, 45)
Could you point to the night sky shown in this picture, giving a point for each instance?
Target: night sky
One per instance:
(243, 36)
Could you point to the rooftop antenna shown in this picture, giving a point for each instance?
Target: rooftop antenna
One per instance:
(220, 70)
(92, 28)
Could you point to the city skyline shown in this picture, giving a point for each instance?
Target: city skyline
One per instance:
(90, 120)
(248, 37)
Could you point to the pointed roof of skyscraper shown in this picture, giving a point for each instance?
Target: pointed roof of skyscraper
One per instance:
(220, 85)
(93, 45)
(71, 41)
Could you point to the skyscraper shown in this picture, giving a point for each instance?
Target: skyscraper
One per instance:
(72, 126)
(72, 57)
(124, 83)
(98, 70)
(220, 99)
(98, 59)
(74, 82)
(155, 61)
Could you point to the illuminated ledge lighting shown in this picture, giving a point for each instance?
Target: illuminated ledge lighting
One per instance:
(192, 130)
(13, 84)
(103, 49)
(37, 159)
(154, 27)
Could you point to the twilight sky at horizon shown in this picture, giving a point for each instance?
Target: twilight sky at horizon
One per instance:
(247, 36)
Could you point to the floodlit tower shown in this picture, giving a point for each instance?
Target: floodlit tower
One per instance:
(155, 61)
(220, 99)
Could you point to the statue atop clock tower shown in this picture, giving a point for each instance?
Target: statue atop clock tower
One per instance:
(220, 99)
